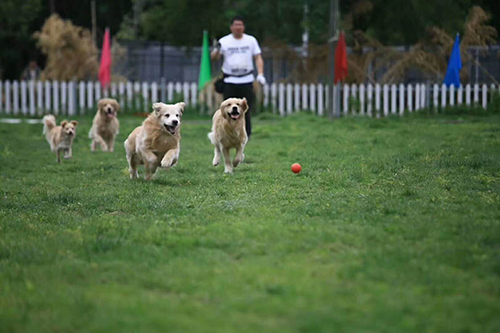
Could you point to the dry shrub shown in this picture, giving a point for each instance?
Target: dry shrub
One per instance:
(71, 53)
(430, 54)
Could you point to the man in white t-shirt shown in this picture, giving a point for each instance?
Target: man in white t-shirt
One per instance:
(239, 51)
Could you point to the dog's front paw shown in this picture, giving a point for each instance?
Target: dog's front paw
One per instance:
(168, 163)
(216, 161)
(236, 162)
(228, 170)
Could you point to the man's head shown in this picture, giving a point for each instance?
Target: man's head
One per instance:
(237, 26)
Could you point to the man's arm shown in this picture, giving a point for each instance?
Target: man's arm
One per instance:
(259, 62)
(215, 54)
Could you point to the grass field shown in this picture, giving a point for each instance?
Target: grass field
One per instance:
(393, 225)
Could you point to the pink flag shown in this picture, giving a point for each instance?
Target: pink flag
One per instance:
(105, 69)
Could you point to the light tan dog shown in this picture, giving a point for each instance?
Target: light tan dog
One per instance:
(105, 125)
(60, 137)
(157, 142)
(228, 131)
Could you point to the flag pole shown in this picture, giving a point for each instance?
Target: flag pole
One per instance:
(333, 39)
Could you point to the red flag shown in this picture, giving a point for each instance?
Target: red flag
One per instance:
(340, 60)
(105, 69)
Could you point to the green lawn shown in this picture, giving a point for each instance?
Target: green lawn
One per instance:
(393, 225)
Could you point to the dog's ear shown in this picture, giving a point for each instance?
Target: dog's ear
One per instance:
(182, 106)
(100, 104)
(64, 123)
(244, 105)
(157, 108)
(74, 122)
(116, 105)
(223, 107)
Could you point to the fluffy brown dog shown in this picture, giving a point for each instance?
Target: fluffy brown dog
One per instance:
(105, 125)
(228, 131)
(157, 142)
(60, 137)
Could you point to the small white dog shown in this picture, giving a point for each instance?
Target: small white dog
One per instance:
(228, 131)
(157, 142)
(60, 137)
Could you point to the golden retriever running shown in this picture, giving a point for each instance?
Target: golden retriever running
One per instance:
(60, 137)
(105, 125)
(228, 131)
(157, 142)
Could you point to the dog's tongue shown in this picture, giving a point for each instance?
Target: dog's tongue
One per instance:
(235, 116)
(111, 115)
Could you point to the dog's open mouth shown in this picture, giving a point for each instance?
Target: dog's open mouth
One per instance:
(234, 116)
(170, 129)
(110, 114)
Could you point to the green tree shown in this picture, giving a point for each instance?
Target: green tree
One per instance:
(17, 19)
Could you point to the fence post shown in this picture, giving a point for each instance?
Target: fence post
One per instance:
(113, 90)
(369, 100)
(24, 97)
(39, 101)
(81, 99)
(410, 98)
(55, 96)
(435, 97)
(377, 100)
(289, 92)
(154, 93)
(97, 96)
(362, 99)
(194, 94)
(312, 93)
(460, 93)
(185, 92)
(273, 97)
(297, 96)
(443, 96)
(130, 93)
(90, 94)
(452, 95)
(417, 97)
(485, 96)
(71, 98)
(354, 93)
(137, 92)
(321, 105)
(170, 92)
(7, 98)
(64, 99)
(394, 99)
(401, 99)
(422, 95)
(32, 97)
(386, 100)
(304, 97)
(346, 99)
(47, 96)
(15, 96)
(282, 99)
(1, 96)
(266, 95)
(467, 94)
(476, 93)
(145, 95)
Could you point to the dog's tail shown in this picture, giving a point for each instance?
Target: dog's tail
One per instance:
(211, 136)
(49, 122)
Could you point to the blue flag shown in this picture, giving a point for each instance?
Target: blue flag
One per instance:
(454, 66)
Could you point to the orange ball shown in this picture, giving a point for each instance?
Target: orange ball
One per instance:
(296, 167)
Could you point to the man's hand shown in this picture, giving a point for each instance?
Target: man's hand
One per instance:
(215, 54)
(261, 79)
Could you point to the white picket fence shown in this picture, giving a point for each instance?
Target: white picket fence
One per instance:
(73, 98)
